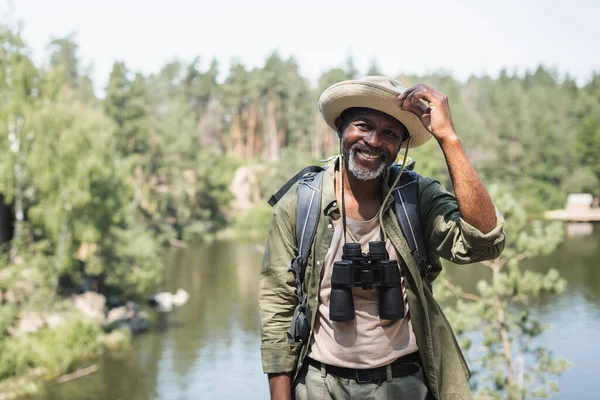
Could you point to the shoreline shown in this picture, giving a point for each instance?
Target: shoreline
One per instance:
(68, 349)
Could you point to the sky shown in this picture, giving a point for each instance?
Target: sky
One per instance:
(460, 37)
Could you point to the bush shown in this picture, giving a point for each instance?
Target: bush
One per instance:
(8, 314)
(49, 352)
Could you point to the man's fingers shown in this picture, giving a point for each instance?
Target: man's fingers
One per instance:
(412, 100)
(408, 91)
(428, 95)
(421, 97)
(414, 105)
(405, 99)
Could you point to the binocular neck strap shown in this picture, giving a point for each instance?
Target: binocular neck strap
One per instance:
(342, 166)
(387, 196)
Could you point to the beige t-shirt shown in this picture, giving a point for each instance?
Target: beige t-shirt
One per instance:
(366, 341)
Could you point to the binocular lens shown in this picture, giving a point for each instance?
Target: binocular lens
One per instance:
(341, 306)
(352, 250)
(377, 249)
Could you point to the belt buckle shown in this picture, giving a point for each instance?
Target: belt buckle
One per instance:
(357, 377)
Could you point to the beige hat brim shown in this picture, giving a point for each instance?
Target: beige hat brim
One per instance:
(358, 93)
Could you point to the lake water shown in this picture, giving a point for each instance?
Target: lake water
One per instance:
(209, 349)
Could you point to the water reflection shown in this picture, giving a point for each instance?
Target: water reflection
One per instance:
(575, 259)
(209, 349)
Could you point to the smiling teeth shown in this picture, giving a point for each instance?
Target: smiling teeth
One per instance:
(371, 156)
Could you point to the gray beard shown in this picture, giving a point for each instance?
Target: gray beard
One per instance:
(358, 172)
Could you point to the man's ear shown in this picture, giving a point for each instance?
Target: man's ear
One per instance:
(339, 125)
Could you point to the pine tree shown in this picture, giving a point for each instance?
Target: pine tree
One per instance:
(63, 56)
(124, 104)
(496, 324)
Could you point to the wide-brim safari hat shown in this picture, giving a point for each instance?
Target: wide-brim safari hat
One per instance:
(376, 92)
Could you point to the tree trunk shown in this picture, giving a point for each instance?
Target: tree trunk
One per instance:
(502, 328)
(272, 136)
(5, 221)
(19, 169)
(19, 215)
(250, 132)
(258, 143)
(282, 137)
(507, 347)
(236, 136)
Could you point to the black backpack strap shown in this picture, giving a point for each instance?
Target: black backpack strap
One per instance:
(308, 209)
(408, 213)
(283, 190)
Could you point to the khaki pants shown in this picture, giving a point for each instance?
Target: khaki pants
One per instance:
(315, 384)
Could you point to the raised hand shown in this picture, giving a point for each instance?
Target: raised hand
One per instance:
(432, 107)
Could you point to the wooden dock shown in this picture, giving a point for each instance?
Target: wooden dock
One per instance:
(580, 207)
(589, 215)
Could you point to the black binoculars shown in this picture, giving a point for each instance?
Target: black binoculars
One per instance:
(367, 271)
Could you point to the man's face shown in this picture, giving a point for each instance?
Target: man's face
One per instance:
(370, 141)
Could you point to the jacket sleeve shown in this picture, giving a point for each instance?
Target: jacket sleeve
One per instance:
(448, 235)
(277, 289)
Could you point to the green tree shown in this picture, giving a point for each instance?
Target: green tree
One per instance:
(19, 98)
(298, 109)
(203, 95)
(65, 70)
(588, 144)
(124, 104)
(496, 325)
(63, 56)
(235, 99)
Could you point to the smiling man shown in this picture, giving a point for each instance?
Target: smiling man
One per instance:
(412, 355)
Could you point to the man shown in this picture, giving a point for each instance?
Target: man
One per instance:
(415, 357)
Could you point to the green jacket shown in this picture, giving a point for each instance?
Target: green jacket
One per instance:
(447, 236)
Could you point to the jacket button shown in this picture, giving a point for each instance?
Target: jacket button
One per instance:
(318, 262)
(329, 226)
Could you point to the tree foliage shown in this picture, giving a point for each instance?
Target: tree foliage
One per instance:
(496, 324)
(92, 187)
(157, 153)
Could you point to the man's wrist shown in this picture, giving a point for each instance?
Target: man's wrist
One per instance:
(448, 140)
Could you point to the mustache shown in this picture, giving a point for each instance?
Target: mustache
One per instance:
(359, 146)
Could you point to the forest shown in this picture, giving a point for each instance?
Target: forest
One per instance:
(94, 185)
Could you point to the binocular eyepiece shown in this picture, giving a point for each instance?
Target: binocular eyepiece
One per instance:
(367, 271)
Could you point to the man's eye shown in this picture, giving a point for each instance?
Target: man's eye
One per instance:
(390, 134)
(361, 125)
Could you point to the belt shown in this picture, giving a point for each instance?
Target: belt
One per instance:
(404, 366)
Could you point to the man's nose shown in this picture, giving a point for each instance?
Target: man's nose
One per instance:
(373, 138)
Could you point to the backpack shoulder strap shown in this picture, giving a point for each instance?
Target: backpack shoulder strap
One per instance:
(283, 190)
(307, 220)
(408, 213)
(310, 183)
(309, 208)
